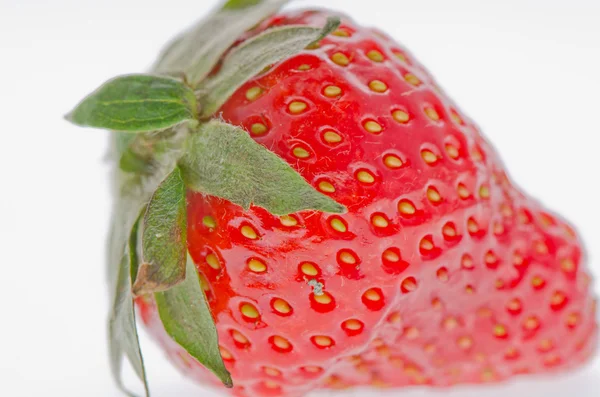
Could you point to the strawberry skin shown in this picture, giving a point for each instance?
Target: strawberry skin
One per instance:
(441, 272)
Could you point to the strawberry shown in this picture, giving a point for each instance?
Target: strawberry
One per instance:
(299, 206)
(440, 272)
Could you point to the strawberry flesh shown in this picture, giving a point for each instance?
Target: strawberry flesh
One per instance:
(441, 272)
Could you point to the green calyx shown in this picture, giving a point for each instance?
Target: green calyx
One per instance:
(168, 142)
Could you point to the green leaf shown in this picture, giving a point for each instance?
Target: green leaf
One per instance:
(164, 238)
(196, 52)
(240, 4)
(253, 56)
(136, 103)
(186, 317)
(222, 160)
(123, 336)
(133, 191)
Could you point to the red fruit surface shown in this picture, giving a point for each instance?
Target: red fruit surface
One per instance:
(441, 272)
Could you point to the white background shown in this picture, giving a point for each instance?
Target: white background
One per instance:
(527, 70)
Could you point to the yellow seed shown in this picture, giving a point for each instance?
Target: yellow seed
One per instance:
(467, 262)
(452, 151)
(225, 354)
(456, 118)
(391, 256)
(406, 208)
(411, 333)
(537, 281)
(531, 323)
(253, 93)
(541, 247)
(572, 319)
(426, 244)
(249, 232)
(304, 67)
(288, 220)
(323, 341)
(297, 107)
(372, 295)
(300, 152)
(239, 337)
(379, 221)
(378, 86)
(500, 331)
(256, 266)
(340, 59)
(472, 226)
(365, 177)
(341, 33)
(281, 342)
(449, 230)
(213, 261)
(463, 192)
(400, 56)
(258, 128)
(338, 225)
(209, 222)
(395, 318)
(332, 91)
(476, 154)
(465, 342)
(326, 187)
(347, 257)
(332, 137)
(400, 116)
(432, 114)
(353, 325)
(281, 306)
(249, 311)
(433, 195)
(373, 127)
(203, 283)
(546, 345)
(392, 161)
(412, 79)
(428, 156)
(484, 192)
(469, 289)
(308, 269)
(450, 323)
(498, 228)
(514, 305)
(375, 56)
(272, 371)
(490, 258)
(567, 265)
(324, 299)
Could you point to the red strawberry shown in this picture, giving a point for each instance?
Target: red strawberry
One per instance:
(441, 271)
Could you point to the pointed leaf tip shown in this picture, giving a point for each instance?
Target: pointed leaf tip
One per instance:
(331, 25)
(240, 4)
(136, 103)
(197, 51)
(164, 238)
(222, 160)
(254, 55)
(186, 316)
